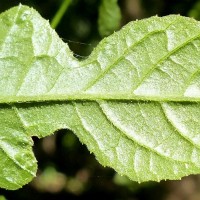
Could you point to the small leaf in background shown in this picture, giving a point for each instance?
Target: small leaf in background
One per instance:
(195, 11)
(109, 17)
(2, 197)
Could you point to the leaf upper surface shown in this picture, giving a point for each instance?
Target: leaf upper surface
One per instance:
(134, 102)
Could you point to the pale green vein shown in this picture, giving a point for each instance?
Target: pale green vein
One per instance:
(175, 50)
(81, 120)
(14, 160)
(191, 78)
(11, 26)
(171, 123)
(136, 141)
(126, 51)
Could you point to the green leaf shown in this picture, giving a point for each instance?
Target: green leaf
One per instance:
(109, 17)
(2, 197)
(194, 11)
(134, 102)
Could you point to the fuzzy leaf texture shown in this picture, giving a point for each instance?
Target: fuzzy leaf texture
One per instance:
(134, 102)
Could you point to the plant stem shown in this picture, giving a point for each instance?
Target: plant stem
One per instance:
(61, 11)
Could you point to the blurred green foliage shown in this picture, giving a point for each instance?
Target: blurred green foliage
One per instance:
(109, 17)
(66, 169)
(2, 197)
(195, 11)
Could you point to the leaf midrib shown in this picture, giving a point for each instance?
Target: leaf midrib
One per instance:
(94, 97)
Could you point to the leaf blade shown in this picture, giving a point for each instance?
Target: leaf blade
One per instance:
(126, 155)
(107, 65)
(18, 164)
(116, 101)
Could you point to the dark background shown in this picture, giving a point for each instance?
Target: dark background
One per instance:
(66, 169)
